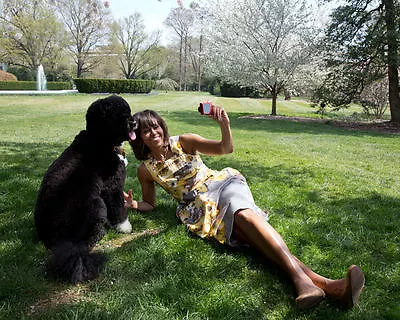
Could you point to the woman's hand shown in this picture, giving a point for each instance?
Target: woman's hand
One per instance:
(219, 114)
(193, 143)
(128, 197)
(226, 144)
(148, 192)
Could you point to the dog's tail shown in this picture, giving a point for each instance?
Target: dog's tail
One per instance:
(75, 263)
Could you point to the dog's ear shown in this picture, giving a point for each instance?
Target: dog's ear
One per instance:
(95, 115)
(102, 111)
(107, 121)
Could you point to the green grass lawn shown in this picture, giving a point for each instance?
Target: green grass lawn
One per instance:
(333, 194)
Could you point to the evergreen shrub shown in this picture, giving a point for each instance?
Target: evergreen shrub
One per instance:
(22, 74)
(31, 85)
(236, 91)
(114, 85)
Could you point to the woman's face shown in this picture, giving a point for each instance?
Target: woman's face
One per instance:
(152, 136)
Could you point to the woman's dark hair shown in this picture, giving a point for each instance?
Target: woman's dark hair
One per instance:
(146, 119)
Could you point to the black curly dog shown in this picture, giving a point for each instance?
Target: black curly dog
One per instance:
(82, 192)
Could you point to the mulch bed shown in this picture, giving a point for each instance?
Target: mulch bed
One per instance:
(374, 126)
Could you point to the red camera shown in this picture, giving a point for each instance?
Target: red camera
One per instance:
(205, 107)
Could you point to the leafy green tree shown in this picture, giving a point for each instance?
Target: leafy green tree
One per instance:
(362, 46)
(88, 24)
(31, 34)
(162, 60)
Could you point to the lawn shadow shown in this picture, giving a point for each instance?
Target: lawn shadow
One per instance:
(238, 122)
(187, 275)
(172, 266)
(21, 172)
(340, 232)
(182, 272)
(23, 258)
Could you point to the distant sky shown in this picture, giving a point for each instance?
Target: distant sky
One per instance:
(154, 12)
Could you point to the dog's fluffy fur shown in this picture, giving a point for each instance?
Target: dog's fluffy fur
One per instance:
(82, 192)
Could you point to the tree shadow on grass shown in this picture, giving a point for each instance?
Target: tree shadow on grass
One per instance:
(338, 233)
(364, 231)
(333, 233)
(22, 257)
(266, 125)
(186, 275)
(182, 272)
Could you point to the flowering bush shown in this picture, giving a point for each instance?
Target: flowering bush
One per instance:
(6, 76)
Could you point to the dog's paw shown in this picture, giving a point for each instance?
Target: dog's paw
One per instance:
(124, 227)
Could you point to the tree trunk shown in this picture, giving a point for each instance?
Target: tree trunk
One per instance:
(79, 67)
(180, 62)
(274, 94)
(393, 63)
(185, 64)
(200, 61)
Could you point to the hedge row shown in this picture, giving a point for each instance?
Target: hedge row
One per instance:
(31, 85)
(236, 91)
(114, 86)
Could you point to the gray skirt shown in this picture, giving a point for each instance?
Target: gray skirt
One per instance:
(235, 195)
(229, 195)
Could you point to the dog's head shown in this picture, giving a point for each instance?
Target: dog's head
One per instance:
(110, 122)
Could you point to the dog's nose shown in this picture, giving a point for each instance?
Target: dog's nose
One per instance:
(134, 124)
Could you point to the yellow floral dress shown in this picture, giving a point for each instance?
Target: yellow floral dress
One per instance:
(203, 208)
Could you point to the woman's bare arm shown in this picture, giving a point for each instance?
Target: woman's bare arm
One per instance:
(192, 143)
(148, 192)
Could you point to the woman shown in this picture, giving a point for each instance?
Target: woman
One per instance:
(219, 204)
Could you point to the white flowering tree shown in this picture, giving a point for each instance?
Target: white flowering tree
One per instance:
(375, 98)
(261, 43)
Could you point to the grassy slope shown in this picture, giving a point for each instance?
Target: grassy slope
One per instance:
(332, 194)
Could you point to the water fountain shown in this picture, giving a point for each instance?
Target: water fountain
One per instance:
(41, 81)
(41, 86)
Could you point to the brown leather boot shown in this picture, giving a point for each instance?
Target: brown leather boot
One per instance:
(347, 291)
(311, 299)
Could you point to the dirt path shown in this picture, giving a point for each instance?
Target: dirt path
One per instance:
(373, 126)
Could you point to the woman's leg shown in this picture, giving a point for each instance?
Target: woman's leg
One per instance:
(347, 290)
(253, 229)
